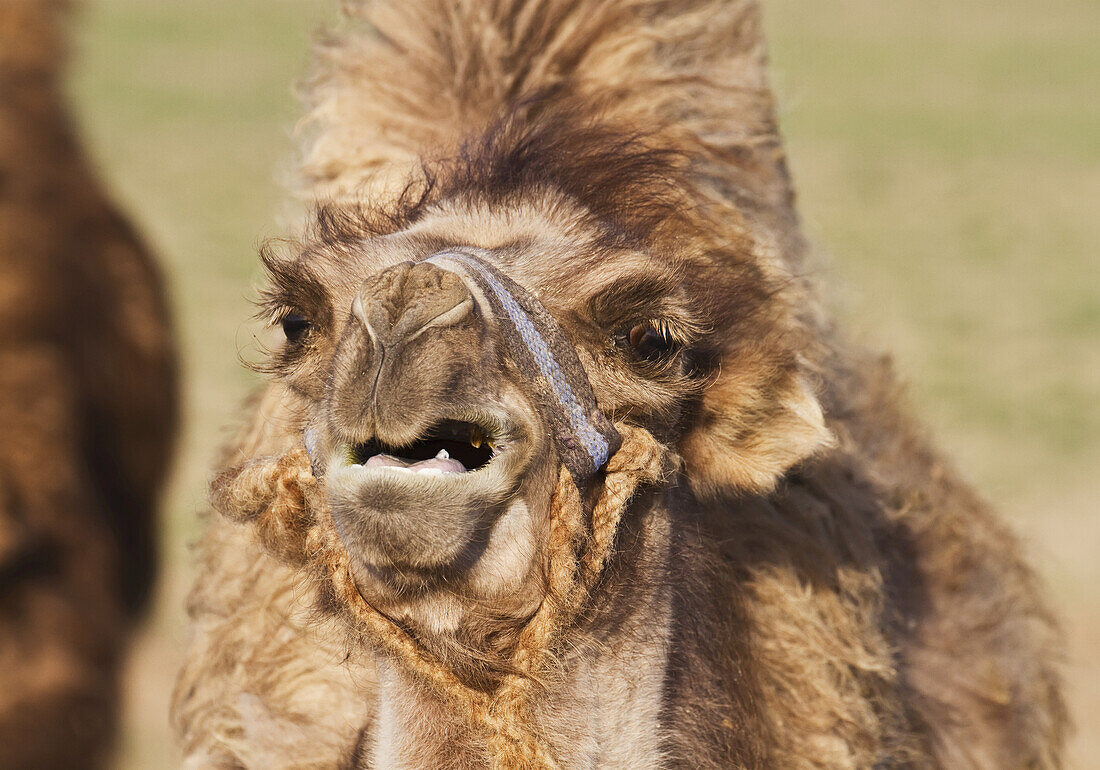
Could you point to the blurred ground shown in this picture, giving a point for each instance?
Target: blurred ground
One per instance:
(948, 160)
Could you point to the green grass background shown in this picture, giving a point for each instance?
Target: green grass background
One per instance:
(948, 160)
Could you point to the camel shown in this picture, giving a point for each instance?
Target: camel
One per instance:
(562, 462)
(87, 416)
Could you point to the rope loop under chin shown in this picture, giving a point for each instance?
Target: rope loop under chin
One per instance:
(283, 501)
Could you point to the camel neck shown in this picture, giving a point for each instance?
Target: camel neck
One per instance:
(601, 708)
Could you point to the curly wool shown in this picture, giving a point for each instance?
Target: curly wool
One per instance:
(285, 504)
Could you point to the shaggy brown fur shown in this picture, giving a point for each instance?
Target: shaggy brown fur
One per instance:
(87, 413)
(793, 579)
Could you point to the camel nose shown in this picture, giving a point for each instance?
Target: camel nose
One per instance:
(398, 303)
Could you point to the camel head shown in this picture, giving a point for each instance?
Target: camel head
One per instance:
(504, 321)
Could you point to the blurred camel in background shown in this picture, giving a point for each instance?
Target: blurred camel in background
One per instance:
(88, 405)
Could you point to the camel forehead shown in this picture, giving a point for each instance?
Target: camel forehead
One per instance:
(547, 243)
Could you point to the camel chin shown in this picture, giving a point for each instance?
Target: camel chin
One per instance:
(426, 505)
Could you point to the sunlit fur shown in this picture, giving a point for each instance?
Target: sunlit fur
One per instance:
(812, 588)
(87, 416)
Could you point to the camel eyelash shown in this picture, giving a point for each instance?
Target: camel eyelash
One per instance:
(629, 303)
(682, 333)
(274, 313)
(277, 303)
(291, 288)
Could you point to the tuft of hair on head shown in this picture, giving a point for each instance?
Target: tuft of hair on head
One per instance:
(631, 183)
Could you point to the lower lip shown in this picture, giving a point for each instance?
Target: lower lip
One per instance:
(435, 466)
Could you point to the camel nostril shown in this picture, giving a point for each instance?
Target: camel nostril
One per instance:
(359, 312)
(396, 308)
(452, 315)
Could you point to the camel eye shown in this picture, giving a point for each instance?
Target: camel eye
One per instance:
(649, 344)
(295, 326)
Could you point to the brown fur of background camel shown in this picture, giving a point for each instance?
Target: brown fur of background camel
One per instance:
(793, 579)
(87, 417)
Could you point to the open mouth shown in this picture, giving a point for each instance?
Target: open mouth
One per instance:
(450, 446)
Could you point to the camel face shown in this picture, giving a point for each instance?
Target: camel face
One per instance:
(439, 419)
(430, 439)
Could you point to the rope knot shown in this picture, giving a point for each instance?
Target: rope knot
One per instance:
(279, 496)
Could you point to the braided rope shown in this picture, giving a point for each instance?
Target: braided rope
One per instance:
(285, 504)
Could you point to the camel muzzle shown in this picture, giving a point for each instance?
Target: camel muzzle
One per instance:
(389, 394)
(421, 461)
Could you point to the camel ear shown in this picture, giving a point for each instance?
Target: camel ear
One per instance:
(749, 433)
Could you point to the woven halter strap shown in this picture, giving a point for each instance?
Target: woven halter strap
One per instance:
(538, 346)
